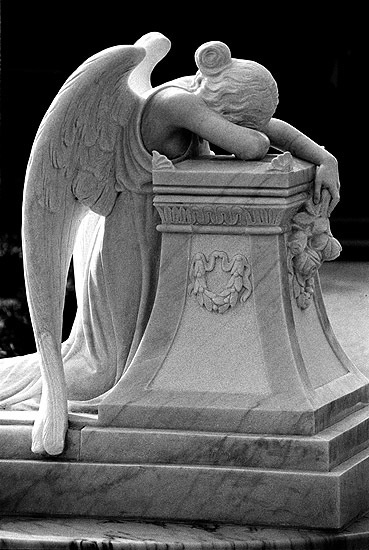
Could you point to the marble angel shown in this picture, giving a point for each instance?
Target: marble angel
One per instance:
(88, 193)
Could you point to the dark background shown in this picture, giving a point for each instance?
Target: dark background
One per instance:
(314, 57)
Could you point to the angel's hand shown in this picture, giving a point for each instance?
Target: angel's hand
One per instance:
(327, 177)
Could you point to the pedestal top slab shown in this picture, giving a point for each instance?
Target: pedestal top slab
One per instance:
(227, 171)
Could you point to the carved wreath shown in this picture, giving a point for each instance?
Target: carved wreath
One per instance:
(310, 243)
(238, 287)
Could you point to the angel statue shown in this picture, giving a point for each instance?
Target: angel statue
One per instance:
(88, 192)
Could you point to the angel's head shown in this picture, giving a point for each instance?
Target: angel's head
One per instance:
(244, 92)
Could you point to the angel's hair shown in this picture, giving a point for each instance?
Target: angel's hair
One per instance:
(244, 92)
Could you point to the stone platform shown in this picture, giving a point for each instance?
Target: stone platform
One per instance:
(105, 534)
(240, 406)
(94, 452)
(319, 481)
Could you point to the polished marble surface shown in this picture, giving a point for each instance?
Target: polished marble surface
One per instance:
(140, 401)
(345, 288)
(104, 534)
(79, 477)
(321, 452)
(261, 362)
(186, 492)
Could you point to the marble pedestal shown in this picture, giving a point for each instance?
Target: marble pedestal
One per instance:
(232, 347)
(228, 348)
(240, 406)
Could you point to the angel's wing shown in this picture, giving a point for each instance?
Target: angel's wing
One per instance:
(74, 156)
(77, 141)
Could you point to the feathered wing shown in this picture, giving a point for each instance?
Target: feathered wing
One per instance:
(73, 167)
(76, 142)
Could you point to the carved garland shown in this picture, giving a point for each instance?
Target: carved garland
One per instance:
(310, 243)
(238, 287)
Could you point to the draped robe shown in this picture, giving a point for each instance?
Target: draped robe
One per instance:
(116, 263)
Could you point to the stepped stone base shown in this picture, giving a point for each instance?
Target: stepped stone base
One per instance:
(240, 405)
(319, 481)
(65, 533)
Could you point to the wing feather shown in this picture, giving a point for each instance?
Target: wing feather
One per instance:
(78, 138)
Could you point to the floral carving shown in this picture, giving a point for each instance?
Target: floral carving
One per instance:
(238, 287)
(310, 242)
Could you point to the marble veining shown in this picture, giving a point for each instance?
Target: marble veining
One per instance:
(16, 439)
(107, 534)
(93, 443)
(187, 492)
(319, 453)
(88, 192)
(343, 284)
(219, 167)
(174, 447)
(266, 367)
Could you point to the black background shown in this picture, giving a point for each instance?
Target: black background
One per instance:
(314, 57)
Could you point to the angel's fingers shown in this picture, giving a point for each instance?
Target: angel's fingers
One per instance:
(335, 200)
(317, 191)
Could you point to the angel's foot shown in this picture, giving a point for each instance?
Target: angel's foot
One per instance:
(50, 427)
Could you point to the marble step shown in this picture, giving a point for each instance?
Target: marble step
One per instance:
(88, 442)
(321, 452)
(27, 533)
(184, 492)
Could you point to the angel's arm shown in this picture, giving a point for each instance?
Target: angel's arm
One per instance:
(285, 137)
(182, 109)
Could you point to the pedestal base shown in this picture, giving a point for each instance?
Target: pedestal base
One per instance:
(319, 481)
(188, 493)
(66, 533)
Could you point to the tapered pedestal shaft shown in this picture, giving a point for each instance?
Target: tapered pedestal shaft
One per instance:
(238, 339)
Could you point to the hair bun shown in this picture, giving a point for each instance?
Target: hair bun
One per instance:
(212, 57)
